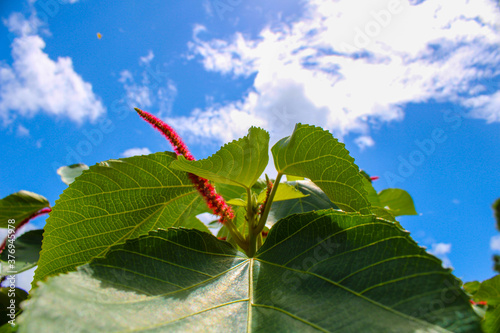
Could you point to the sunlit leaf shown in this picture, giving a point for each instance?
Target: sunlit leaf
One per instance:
(19, 207)
(314, 153)
(239, 162)
(112, 202)
(398, 201)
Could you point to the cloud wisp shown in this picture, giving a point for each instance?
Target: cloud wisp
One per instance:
(154, 90)
(136, 152)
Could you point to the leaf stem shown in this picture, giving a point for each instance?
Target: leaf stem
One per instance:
(250, 223)
(236, 235)
(269, 203)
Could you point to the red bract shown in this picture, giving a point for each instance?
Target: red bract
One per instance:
(374, 178)
(214, 201)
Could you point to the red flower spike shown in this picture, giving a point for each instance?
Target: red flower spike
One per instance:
(374, 178)
(179, 146)
(478, 303)
(214, 201)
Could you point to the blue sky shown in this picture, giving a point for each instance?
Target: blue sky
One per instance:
(411, 87)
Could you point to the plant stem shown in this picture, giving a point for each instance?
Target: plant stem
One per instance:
(250, 223)
(236, 235)
(269, 203)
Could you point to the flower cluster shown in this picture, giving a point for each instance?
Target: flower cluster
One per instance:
(214, 201)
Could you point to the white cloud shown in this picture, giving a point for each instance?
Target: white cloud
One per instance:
(348, 69)
(154, 90)
(22, 131)
(364, 141)
(135, 152)
(441, 250)
(495, 243)
(147, 58)
(485, 106)
(35, 83)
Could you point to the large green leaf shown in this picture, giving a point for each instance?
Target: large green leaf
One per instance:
(324, 271)
(24, 255)
(114, 201)
(20, 206)
(239, 162)
(314, 153)
(398, 201)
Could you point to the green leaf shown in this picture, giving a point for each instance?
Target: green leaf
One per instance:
(237, 202)
(491, 322)
(8, 328)
(472, 287)
(20, 206)
(488, 291)
(112, 202)
(26, 252)
(314, 153)
(314, 199)
(290, 178)
(239, 162)
(398, 201)
(322, 271)
(371, 193)
(6, 295)
(372, 196)
(70, 172)
(284, 192)
(383, 213)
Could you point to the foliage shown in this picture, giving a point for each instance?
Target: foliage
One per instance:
(124, 250)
